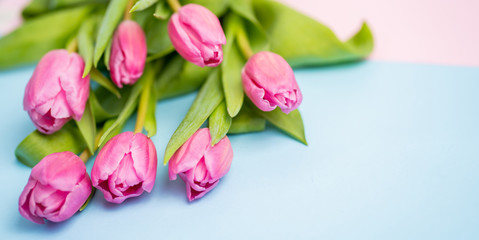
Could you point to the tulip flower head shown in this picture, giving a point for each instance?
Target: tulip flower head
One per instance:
(199, 164)
(56, 92)
(57, 188)
(269, 82)
(125, 167)
(197, 35)
(128, 53)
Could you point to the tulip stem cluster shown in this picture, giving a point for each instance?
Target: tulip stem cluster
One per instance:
(174, 4)
(243, 44)
(143, 103)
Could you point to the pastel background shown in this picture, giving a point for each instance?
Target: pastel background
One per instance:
(423, 31)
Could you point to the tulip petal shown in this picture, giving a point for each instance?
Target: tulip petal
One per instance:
(24, 202)
(200, 172)
(190, 153)
(76, 88)
(203, 23)
(218, 158)
(74, 200)
(125, 175)
(193, 194)
(139, 152)
(256, 93)
(68, 171)
(110, 156)
(133, 44)
(182, 42)
(60, 108)
(43, 84)
(149, 180)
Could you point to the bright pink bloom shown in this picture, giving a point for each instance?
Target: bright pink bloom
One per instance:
(58, 186)
(199, 164)
(269, 81)
(197, 35)
(56, 92)
(128, 53)
(125, 167)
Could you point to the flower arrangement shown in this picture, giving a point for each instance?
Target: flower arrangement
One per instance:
(141, 52)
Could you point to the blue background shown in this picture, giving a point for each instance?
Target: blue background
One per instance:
(393, 154)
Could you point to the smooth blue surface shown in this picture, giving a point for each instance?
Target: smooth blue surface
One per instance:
(393, 154)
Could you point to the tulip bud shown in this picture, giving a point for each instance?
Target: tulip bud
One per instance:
(58, 186)
(125, 167)
(269, 81)
(197, 35)
(56, 92)
(201, 165)
(128, 53)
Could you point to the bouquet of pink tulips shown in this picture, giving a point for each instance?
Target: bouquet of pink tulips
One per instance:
(238, 54)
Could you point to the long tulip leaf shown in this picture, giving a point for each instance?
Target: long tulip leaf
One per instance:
(36, 37)
(113, 15)
(37, 145)
(303, 41)
(208, 98)
(219, 123)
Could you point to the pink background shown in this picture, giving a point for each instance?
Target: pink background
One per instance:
(426, 31)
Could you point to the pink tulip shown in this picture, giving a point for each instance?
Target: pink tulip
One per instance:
(269, 81)
(128, 53)
(125, 167)
(56, 92)
(199, 164)
(58, 186)
(197, 35)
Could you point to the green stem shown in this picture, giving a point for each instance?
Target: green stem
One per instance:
(144, 99)
(174, 4)
(243, 43)
(127, 14)
(72, 45)
(85, 155)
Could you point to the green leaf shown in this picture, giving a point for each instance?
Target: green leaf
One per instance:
(87, 127)
(112, 17)
(218, 7)
(219, 123)
(106, 56)
(233, 63)
(179, 77)
(142, 5)
(113, 132)
(208, 98)
(85, 43)
(247, 121)
(40, 7)
(303, 41)
(37, 145)
(162, 10)
(291, 124)
(36, 37)
(157, 39)
(98, 77)
(126, 111)
(100, 113)
(144, 17)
